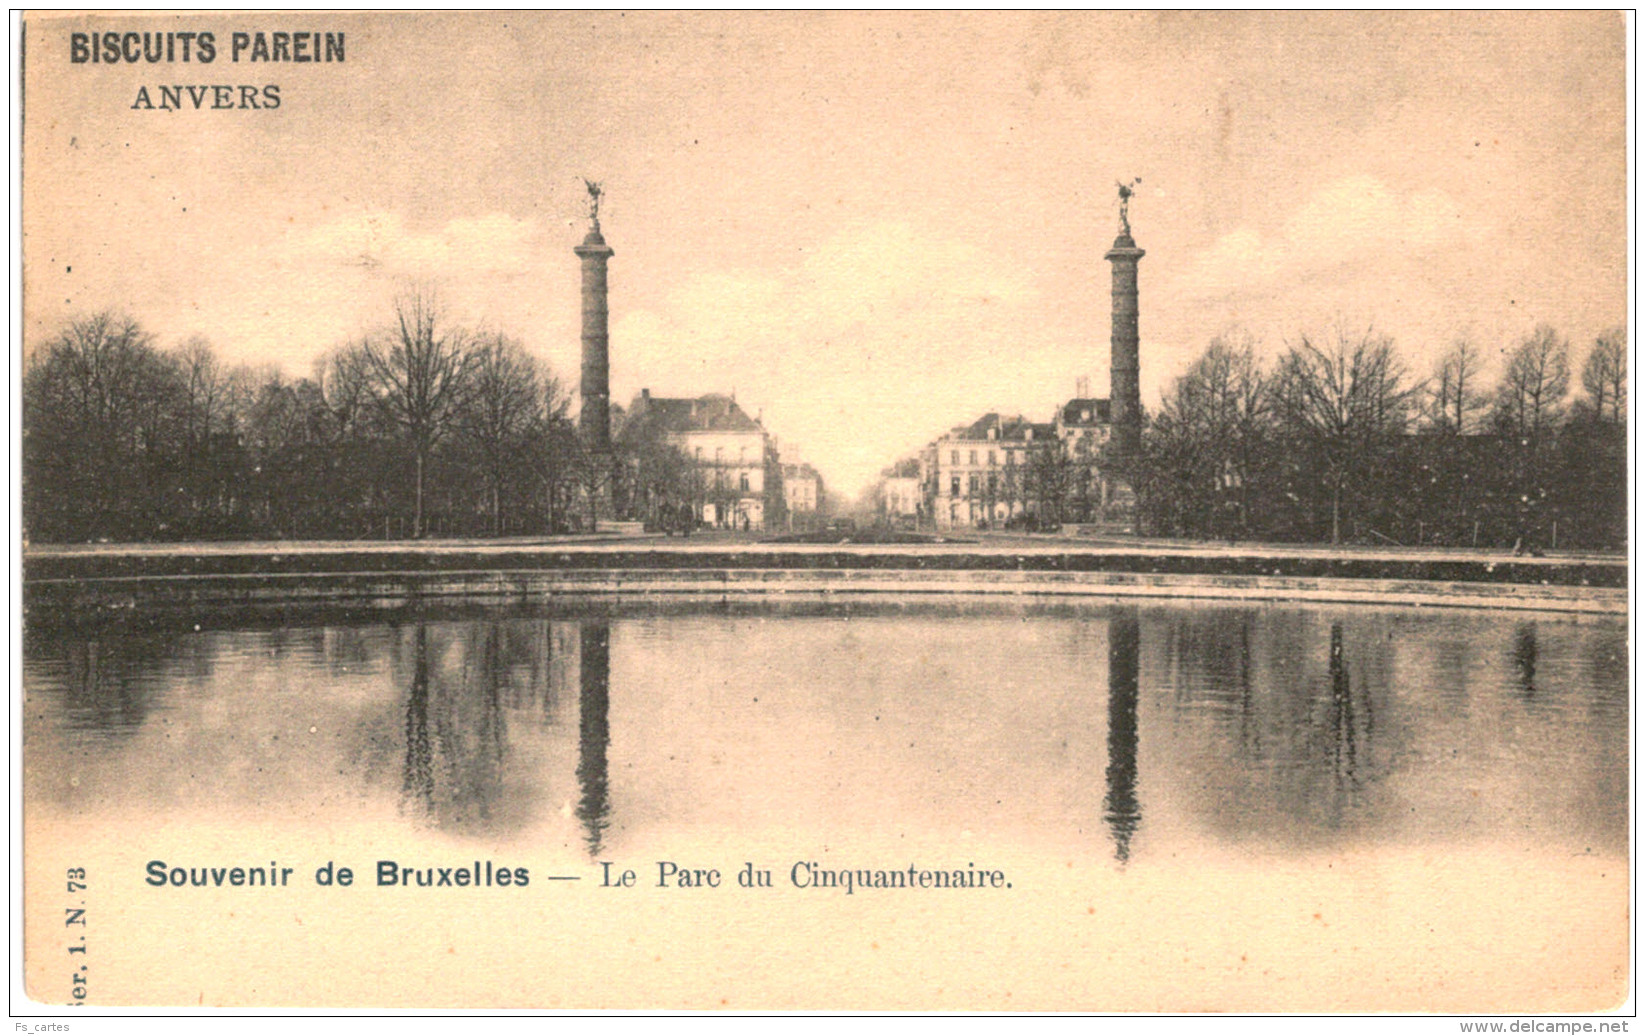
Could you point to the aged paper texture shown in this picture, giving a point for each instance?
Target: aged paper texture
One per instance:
(1116, 512)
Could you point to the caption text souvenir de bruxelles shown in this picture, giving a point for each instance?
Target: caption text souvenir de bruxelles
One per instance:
(206, 52)
(668, 874)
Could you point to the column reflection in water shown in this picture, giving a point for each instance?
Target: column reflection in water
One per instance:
(1121, 809)
(1273, 727)
(594, 731)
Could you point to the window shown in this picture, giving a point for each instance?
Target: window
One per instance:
(743, 479)
(993, 483)
(1010, 458)
(976, 484)
(954, 458)
(992, 459)
(973, 456)
(954, 486)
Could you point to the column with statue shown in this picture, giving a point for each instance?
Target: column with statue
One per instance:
(1125, 396)
(594, 418)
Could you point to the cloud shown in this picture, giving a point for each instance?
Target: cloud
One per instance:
(1349, 222)
(309, 289)
(494, 244)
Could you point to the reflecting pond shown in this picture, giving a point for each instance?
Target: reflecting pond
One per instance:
(1119, 732)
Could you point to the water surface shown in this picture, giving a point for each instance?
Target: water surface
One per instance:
(1120, 732)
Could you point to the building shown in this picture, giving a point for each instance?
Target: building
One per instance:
(901, 491)
(1085, 429)
(988, 472)
(725, 450)
(802, 489)
(1000, 470)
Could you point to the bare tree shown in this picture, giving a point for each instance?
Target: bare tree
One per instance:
(205, 384)
(663, 479)
(1585, 475)
(1454, 403)
(1531, 399)
(1605, 376)
(1048, 478)
(206, 407)
(344, 378)
(1343, 400)
(500, 413)
(420, 368)
(94, 373)
(1014, 482)
(1207, 442)
(1530, 410)
(553, 454)
(101, 411)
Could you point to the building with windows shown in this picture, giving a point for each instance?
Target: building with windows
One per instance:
(983, 474)
(1084, 429)
(1002, 470)
(725, 450)
(802, 489)
(899, 494)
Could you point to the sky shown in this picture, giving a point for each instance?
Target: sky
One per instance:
(869, 228)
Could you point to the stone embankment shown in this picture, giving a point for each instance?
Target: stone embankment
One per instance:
(67, 583)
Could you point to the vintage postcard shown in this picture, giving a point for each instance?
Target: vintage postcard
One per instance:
(985, 512)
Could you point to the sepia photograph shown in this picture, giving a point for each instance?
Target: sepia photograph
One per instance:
(817, 512)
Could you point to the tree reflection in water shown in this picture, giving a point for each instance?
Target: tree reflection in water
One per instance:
(418, 787)
(456, 731)
(110, 682)
(463, 681)
(1260, 722)
(1342, 716)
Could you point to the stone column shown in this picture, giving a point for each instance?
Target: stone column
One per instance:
(1125, 397)
(594, 422)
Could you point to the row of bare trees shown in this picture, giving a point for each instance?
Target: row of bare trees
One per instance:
(420, 426)
(1339, 441)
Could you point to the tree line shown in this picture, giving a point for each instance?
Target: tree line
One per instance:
(422, 427)
(426, 428)
(1339, 441)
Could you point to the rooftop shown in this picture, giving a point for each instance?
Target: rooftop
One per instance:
(710, 413)
(993, 427)
(1083, 411)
